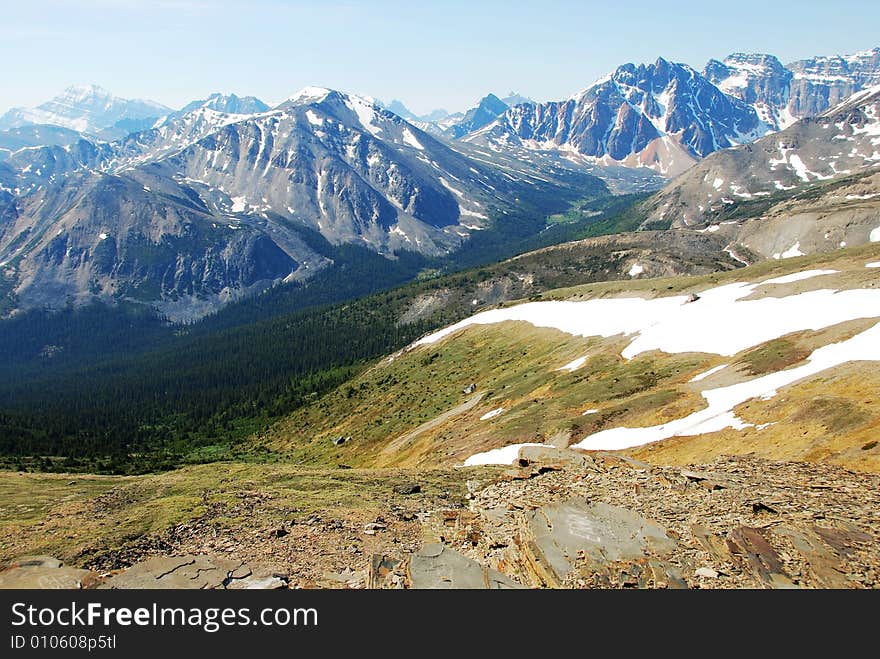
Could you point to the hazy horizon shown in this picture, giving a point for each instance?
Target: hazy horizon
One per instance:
(446, 55)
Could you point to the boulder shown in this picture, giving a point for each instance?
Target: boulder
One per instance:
(435, 566)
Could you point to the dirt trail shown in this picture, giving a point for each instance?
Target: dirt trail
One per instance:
(403, 440)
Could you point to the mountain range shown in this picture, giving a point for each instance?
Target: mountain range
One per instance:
(128, 200)
(387, 350)
(208, 204)
(667, 115)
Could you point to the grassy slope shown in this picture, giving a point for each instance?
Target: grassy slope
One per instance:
(92, 518)
(514, 365)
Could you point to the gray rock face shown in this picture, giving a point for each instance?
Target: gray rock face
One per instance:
(193, 572)
(655, 115)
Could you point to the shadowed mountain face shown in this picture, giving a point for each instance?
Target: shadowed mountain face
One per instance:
(210, 205)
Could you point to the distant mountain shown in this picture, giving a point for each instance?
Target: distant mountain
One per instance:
(783, 94)
(227, 103)
(207, 205)
(35, 135)
(485, 112)
(663, 115)
(517, 99)
(814, 186)
(398, 108)
(435, 115)
(85, 109)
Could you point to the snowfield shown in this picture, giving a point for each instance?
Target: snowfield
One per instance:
(673, 325)
(722, 321)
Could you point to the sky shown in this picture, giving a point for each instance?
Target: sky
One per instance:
(443, 54)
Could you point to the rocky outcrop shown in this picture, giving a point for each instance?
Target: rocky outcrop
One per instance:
(619, 523)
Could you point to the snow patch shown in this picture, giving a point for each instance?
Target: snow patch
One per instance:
(410, 139)
(705, 374)
(366, 114)
(492, 414)
(673, 325)
(791, 252)
(572, 366)
(500, 456)
(718, 413)
(635, 270)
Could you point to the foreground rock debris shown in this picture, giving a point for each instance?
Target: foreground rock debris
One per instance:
(559, 519)
(177, 572)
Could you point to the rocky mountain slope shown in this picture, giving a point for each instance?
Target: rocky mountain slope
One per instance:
(783, 94)
(29, 136)
(736, 522)
(667, 116)
(811, 187)
(210, 205)
(85, 109)
(663, 115)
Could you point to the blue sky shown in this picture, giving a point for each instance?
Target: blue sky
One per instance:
(429, 54)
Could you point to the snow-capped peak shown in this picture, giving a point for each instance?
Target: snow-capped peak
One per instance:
(310, 95)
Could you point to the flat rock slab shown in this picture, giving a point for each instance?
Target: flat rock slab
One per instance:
(47, 578)
(195, 572)
(34, 561)
(438, 567)
(186, 572)
(600, 532)
(551, 456)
